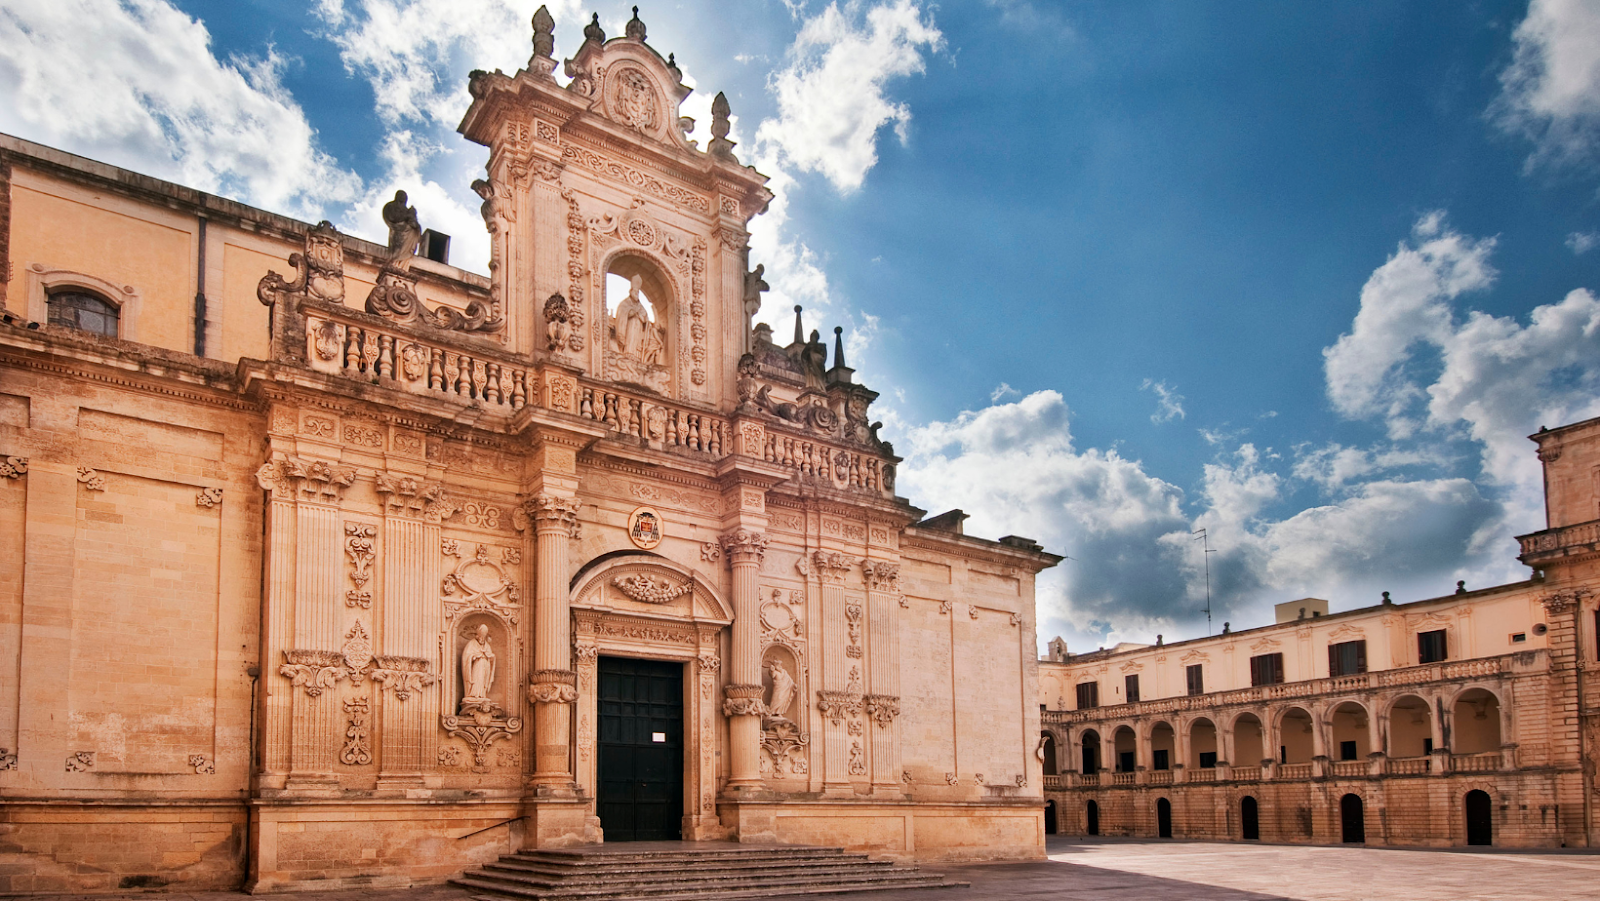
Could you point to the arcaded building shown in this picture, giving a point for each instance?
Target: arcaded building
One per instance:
(1466, 719)
(329, 563)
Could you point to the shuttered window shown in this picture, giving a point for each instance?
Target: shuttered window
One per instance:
(1347, 658)
(1266, 669)
(1197, 682)
(1132, 688)
(1431, 647)
(1088, 695)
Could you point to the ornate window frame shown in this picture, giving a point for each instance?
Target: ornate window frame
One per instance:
(43, 279)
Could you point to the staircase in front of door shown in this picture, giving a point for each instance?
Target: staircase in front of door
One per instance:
(675, 872)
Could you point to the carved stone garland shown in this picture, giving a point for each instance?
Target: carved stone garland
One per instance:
(647, 589)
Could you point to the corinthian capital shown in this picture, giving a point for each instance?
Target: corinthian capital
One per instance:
(881, 576)
(832, 566)
(742, 544)
(548, 511)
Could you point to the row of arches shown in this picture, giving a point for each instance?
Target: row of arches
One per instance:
(1477, 812)
(1408, 725)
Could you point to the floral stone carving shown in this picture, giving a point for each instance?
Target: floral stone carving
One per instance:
(882, 709)
(357, 750)
(480, 727)
(553, 686)
(650, 590)
(743, 700)
(405, 676)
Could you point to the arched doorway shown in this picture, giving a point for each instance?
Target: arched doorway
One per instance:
(1050, 818)
(1476, 722)
(1353, 820)
(1091, 818)
(1163, 818)
(1047, 747)
(1480, 818)
(1249, 819)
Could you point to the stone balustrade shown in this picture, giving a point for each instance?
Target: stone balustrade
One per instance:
(1542, 548)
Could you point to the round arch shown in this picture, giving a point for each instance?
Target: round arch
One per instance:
(595, 586)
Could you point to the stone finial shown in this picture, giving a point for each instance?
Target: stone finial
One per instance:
(672, 66)
(1386, 599)
(1461, 586)
(799, 327)
(593, 32)
(720, 146)
(544, 42)
(635, 27)
(838, 346)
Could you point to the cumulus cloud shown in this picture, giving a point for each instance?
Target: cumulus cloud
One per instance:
(832, 104)
(1551, 91)
(1169, 403)
(1334, 466)
(1581, 243)
(136, 84)
(832, 98)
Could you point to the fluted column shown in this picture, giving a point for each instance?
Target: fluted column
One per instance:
(883, 672)
(744, 549)
(840, 699)
(553, 687)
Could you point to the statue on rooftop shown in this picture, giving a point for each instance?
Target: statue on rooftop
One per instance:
(753, 286)
(404, 232)
(814, 361)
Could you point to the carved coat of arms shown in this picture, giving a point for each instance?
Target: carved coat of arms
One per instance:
(635, 100)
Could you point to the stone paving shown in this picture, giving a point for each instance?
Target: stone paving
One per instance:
(1146, 870)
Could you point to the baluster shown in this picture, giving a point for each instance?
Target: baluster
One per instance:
(436, 369)
(694, 432)
(386, 356)
(611, 410)
(872, 474)
(716, 438)
(369, 353)
(586, 408)
(352, 348)
(519, 389)
(769, 451)
(825, 468)
(478, 372)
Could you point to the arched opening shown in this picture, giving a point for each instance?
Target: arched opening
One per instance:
(1480, 818)
(1091, 752)
(1122, 740)
(1050, 825)
(1352, 820)
(637, 337)
(1350, 736)
(1091, 818)
(1249, 819)
(1476, 722)
(1295, 743)
(1202, 744)
(1410, 727)
(1048, 748)
(83, 310)
(1249, 745)
(1163, 818)
(1162, 742)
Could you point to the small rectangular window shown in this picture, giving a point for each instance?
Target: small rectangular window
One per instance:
(1158, 759)
(1518, 636)
(1266, 669)
(1088, 695)
(1347, 750)
(1431, 647)
(1197, 682)
(1347, 658)
(1208, 760)
(1124, 761)
(1131, 684)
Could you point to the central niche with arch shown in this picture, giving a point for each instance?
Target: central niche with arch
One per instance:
(637, 341)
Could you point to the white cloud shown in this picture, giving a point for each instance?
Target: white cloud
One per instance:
(1002, 391)
(1169, 403)
(831, 98)
(1404, 302)
(136, 84)
(1581, 243)
(1551, 91)
(1334, 466)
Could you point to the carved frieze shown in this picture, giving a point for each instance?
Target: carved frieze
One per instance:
(404, 495)
(882, 709)
(313, 480)
(553, 686)
(648, 589)
(1563, 601)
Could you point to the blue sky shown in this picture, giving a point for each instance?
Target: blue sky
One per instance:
(1303, 275)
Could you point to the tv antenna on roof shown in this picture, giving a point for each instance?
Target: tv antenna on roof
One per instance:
(1206, 550)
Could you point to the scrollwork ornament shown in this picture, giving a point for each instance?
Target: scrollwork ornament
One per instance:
(13, 467)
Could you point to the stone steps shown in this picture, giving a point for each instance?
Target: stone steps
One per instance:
(667, 874)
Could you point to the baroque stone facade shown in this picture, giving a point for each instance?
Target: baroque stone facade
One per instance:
(1472, 718)
(326, 543)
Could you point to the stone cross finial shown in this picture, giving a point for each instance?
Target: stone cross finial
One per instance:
(593, 32)
(635, 28)
(544, 42)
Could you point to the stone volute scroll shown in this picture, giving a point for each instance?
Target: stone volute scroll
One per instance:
(318, 270)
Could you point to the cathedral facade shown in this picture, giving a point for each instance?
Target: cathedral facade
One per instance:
(328, 563)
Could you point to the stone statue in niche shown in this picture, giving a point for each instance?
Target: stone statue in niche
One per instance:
(405, 232)
(477, 671)
(636, 348)
(783, 691)
(632, 332)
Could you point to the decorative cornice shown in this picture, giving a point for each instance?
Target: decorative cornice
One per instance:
(313, 480)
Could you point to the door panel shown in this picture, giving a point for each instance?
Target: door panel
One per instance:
(640, 749)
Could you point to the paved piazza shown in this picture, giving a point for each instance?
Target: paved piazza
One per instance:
(1144, 870)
